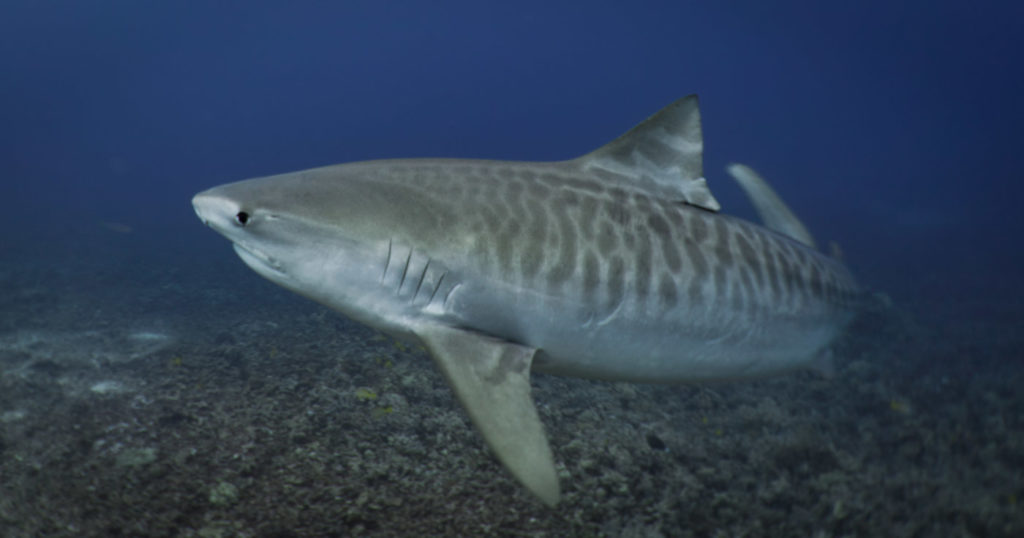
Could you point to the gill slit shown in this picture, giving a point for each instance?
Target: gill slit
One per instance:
(437, 287)
(405, 271)
(387, 263)
(420, 283)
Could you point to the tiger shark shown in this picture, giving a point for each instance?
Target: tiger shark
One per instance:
(616, 265)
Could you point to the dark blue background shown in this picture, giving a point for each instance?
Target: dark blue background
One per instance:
(891, 127)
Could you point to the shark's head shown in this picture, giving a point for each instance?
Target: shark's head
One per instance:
(324, 233)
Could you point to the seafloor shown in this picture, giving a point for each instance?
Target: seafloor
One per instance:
(211, 403)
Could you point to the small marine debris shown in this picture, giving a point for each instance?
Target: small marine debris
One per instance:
(107, 387)
(220, 529)
(366, 395)
(655, 442)
(134, 457)
(145, 343)
(148, 336)
(223, 494)
(379, 412)
(900, 406)
(839, 510)
(12, 416)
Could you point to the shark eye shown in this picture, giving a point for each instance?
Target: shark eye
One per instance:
(241, 218)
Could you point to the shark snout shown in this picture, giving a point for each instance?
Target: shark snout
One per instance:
(215, 210)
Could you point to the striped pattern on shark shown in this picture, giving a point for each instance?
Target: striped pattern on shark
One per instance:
(615, 265)
(550, 235)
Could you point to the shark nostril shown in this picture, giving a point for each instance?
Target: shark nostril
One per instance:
(242, 218)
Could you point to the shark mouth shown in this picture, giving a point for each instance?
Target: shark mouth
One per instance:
(261, 263)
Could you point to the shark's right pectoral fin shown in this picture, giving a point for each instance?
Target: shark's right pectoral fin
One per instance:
(492, 380)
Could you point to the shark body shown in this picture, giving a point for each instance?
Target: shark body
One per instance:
(615, 265)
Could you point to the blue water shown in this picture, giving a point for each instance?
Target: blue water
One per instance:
(891, 128)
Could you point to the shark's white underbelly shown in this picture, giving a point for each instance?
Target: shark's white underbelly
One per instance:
(690, 345)
(634, 354)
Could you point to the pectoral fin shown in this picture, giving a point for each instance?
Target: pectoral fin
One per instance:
(773, 211)
(492, 380)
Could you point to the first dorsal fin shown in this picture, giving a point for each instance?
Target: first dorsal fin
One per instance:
(775, 214)
(663, 155)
